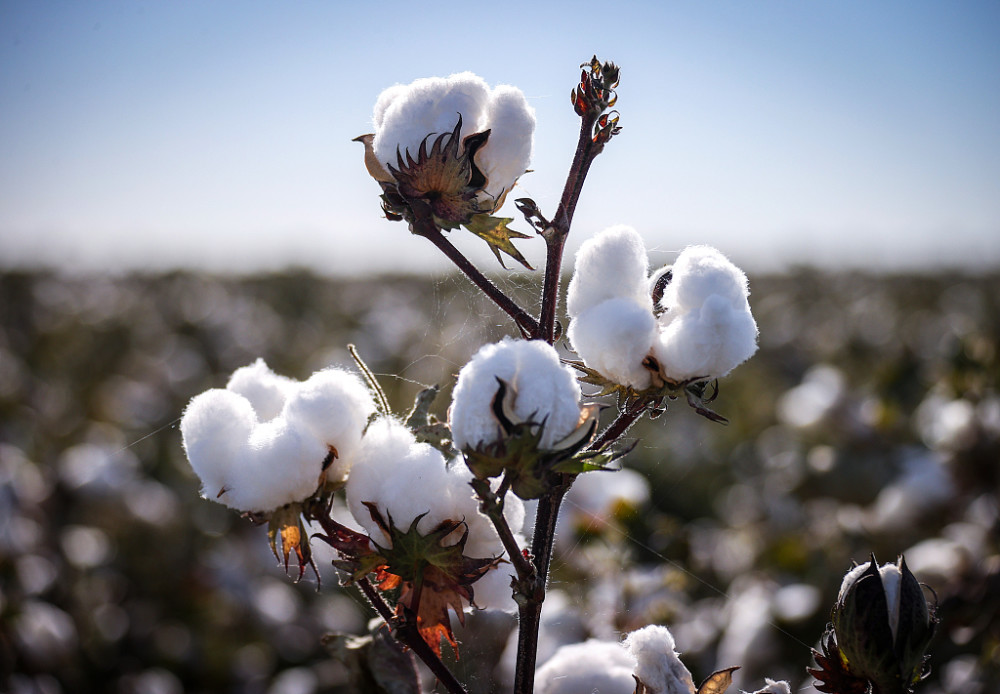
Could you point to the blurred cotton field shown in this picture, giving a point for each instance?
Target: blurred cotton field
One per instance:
(868, 421)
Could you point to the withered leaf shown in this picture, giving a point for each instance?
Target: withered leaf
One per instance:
(494, 231)
(718, 682)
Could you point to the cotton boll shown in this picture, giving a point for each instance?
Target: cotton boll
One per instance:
(702, 272)
(266, 390)
(279, 464)
(709, 341)
(507, 153)
(658, 665)
(215, 427)
(611, 265)
(428, 106)
(404, 479)
(601, 666)
(545, 390)
(614, 337)
(384, 100)
(334, 406)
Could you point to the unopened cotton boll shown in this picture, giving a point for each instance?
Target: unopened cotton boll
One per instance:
(591, 666)
(614, 337)
(658, 665)
(611, 265)
(544, 390)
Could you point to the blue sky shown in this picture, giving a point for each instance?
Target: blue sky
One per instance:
(218, 135)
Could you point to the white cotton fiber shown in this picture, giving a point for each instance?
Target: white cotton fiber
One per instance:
(334, 406)
(266, 390)
(611, 265)
(658, 665)
(614, 337)
(215, 429)
(583, 668)
(262, 441)
(545, 390)
(507, 152)
(707, 329)
(405, 115)
(774, 687)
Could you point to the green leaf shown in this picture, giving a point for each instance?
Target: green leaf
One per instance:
(494, 231)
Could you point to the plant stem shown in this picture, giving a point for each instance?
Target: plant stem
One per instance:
(625, 419)
(404, 629)
(530, 610)
(424, 226)
(492, 505)
(555, 235)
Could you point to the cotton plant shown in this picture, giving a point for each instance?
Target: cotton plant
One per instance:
(437, 503)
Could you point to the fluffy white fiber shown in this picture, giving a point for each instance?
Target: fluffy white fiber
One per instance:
(545, 389)
(406, 114)
(657, 662)
(705, 328)
(259, 443)
(405, 479)
(601, 667)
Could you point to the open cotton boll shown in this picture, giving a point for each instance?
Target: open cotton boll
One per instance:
(707, 342)
(544, 390)
(707, 329)
(428, 106)
(610, 265)
(215, 428)
(403, 478)
(280, 464)
(614, 337)
(334, 406)
(591, 666)
(658, 666)
(266, 390)
(492, 590)
(700, 273)
(507, 153)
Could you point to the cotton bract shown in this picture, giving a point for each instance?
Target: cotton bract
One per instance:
(261, 442)
(700, 328)
(544, 390)
(406, 114)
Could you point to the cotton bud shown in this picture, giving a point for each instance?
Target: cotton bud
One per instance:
(883, 626)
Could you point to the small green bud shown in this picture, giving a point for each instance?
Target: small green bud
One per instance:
(883, 626)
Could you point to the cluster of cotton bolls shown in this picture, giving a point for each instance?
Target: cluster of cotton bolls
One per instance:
(700, 327)
(261, 442)
(406, 114)
(647, 654)
(545, 392)
(405, 480)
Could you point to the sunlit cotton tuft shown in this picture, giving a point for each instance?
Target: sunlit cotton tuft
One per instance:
(406, 114)
(261, 442)
(544, 391)
(701, 327)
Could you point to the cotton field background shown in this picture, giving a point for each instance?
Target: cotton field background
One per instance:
(868, 421)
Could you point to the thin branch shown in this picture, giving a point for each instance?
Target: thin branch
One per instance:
(555, 235)
(530, 610)
(625, 419)
(492, 505)
(424, 226)
(404, 630)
